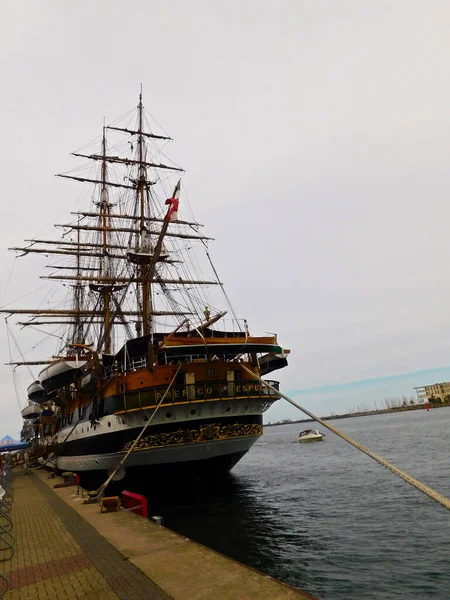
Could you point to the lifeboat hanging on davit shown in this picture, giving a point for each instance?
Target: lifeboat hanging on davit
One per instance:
(31, 411)
(62, 372)
(36, 392)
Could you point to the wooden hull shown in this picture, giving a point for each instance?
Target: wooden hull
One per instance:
(194, 421)
(220, 430)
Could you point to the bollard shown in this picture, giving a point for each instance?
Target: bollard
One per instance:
(110, 504)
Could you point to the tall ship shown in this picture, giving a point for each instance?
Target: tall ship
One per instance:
(150, 351)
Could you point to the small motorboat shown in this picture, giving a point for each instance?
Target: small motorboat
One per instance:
(310, 435)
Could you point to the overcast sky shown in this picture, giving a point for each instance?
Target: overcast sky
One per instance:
(316, 139)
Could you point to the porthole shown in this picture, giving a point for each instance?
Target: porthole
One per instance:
(109, 424)
(168, 415)
(228, 409)
(193, 412)
(141, 382)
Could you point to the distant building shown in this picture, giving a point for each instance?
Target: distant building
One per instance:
(437, 392)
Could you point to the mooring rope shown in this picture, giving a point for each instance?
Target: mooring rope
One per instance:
(97, 495)
(422, 487)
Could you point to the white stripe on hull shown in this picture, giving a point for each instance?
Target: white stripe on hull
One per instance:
(158, 456)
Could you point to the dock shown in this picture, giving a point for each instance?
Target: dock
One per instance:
(67, 550)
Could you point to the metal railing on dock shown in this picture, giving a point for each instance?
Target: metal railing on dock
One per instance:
(7, 539)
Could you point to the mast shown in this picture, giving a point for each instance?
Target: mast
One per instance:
(144, 241)
(104, 270)
(127, 254)
(78, 330)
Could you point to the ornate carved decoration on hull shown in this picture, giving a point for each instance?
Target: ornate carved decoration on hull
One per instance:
(204, 433)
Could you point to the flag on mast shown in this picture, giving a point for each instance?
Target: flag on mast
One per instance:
(174, 201)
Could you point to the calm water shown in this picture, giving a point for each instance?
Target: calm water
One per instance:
(328, 519)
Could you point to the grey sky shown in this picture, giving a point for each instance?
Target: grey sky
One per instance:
(316, 138)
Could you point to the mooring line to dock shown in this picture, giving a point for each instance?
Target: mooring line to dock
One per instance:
(422, 487)
(97, 495)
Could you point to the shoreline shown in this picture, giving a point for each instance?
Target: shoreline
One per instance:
(366, 413)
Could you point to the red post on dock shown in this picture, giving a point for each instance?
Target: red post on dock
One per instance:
(135, 503)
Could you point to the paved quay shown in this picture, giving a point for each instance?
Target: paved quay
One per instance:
(66, 550)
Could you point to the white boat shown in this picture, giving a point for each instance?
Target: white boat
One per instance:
(60, 372)
(36, 392)
(31, 411)
(310, 435)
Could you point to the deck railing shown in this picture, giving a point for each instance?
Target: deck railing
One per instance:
(140, 362)
(7, 539)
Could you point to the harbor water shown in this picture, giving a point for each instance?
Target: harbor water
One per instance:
(326, 518)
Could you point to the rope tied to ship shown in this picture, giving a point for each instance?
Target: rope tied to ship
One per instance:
(422, 487)
(97, 495)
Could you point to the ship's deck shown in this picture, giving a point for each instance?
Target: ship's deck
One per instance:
(66, 550)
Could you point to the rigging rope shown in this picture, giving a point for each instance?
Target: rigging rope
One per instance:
(8, 282)
(47, 333)
(422, 487)
(97, 495)
(21, 297)
(11, 335)
(12, 368)
(220, 283)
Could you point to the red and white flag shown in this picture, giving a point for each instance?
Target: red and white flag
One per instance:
(174, 201)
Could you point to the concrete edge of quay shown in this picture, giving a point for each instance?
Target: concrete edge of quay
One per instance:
(184, 569)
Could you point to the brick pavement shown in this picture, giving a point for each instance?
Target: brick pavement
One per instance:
(59, 556)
